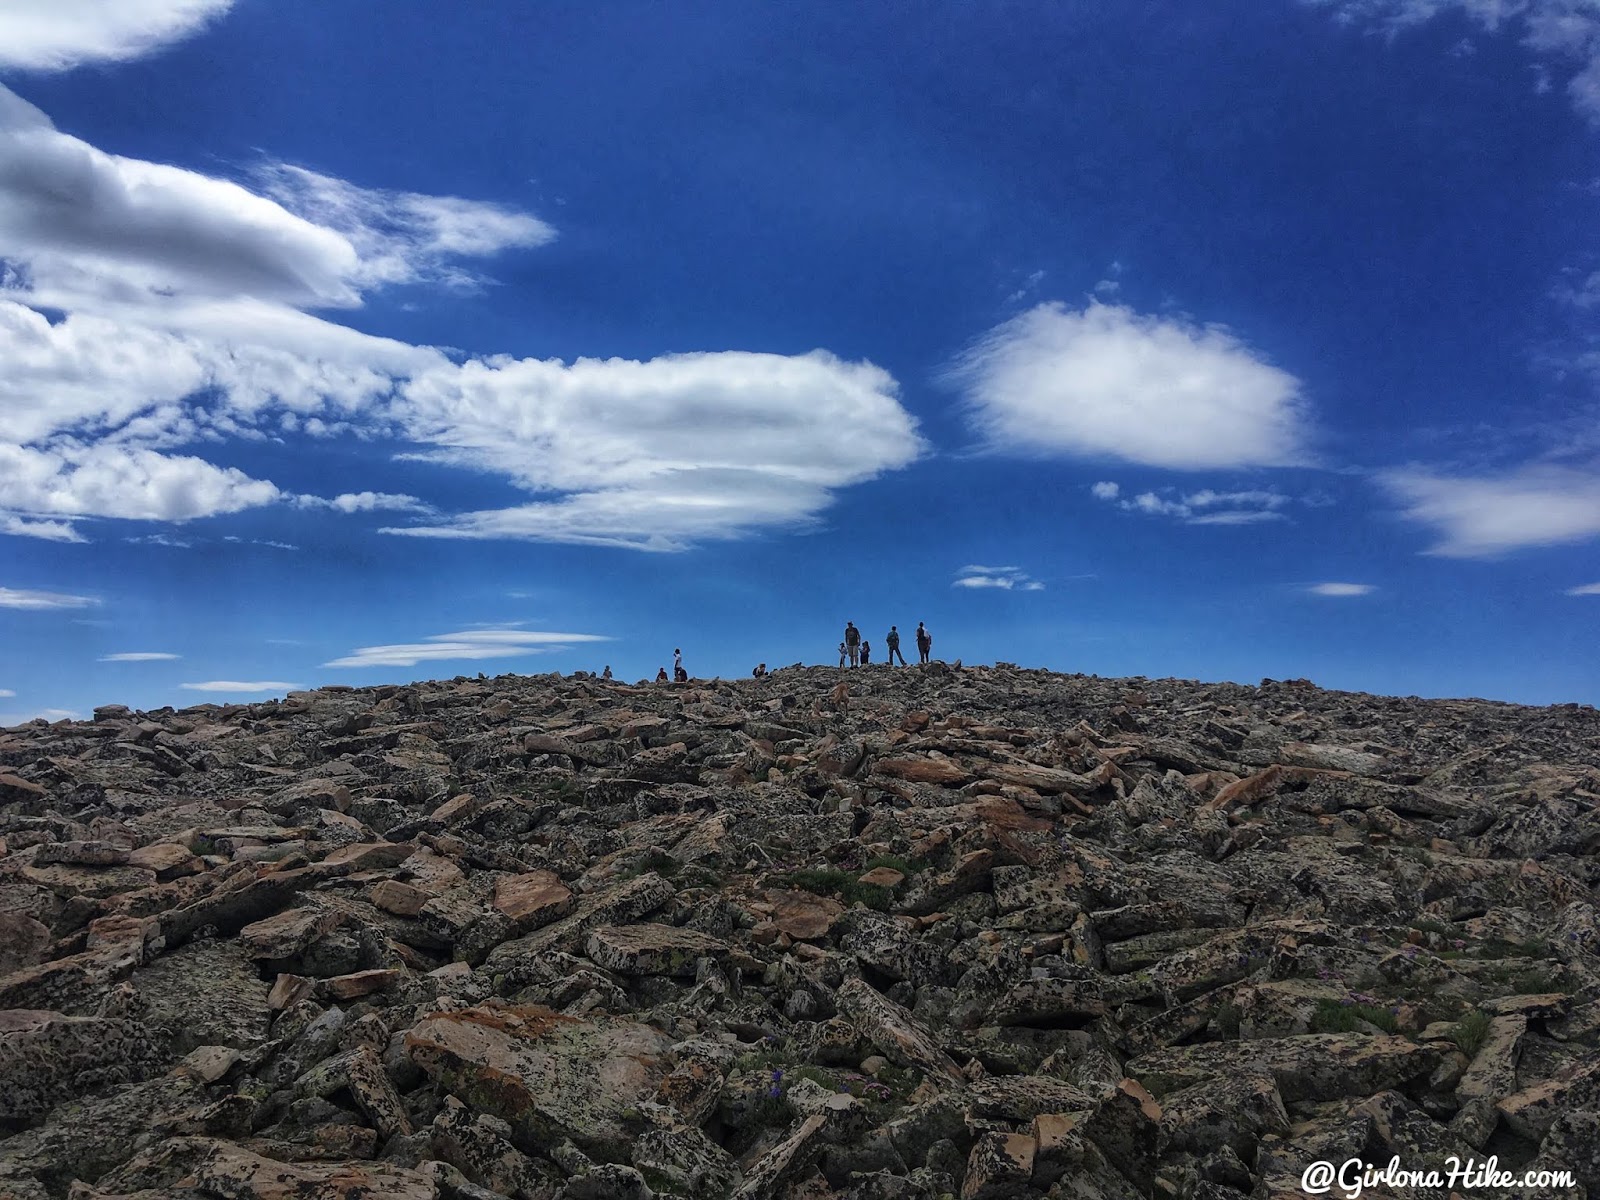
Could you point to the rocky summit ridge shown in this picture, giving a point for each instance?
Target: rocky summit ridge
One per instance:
(943, 931)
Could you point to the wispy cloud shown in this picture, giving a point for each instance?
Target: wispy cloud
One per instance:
(1005, 578)
(1341, 589)
(465, 644)
(231, 685)
(1587, 589)
(1481, 516)
(66, 33)
(1204, 507)
(6, 693)
(1562, 35)
(23, 598)
(160, 539)
(140, 656)
(52, 531)
(259, 542)
(1106, 382)
(354, 502)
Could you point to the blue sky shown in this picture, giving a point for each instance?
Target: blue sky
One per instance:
(356, 343)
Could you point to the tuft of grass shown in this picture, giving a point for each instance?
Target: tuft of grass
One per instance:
(1470, 1032)
(1340, 1016)
(1536, 982)
(825, 881)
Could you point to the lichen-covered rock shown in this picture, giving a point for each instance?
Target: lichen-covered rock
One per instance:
(46, 1057)
(548, 1076)
(651, 949)
(639, 941)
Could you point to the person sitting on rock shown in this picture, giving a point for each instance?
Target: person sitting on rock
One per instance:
(661, 675)
(866, 653)
(680, 674)
(760, 671)
(606, 674)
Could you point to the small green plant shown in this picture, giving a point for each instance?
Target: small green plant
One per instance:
(1537, 982)
(1348, 1016)
(826, 881)
(764, 1059)
(1470, 1032)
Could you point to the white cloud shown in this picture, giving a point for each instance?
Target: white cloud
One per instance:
(467, 644)
(1477, 517)
(1204, 507)
(22, 598)
(94, 222)
(1341, 589)
(140, 656)
(108, 480)
(1108, 382)
(656, 455)
(404, 237)
(1588, 589)
(230, 685)
(6, 694)
(181, 296)
(354, 502)
(160, 539)
(174, 317)
(1562, 35)
(54, 531)
(64, 33)
(1004, 578)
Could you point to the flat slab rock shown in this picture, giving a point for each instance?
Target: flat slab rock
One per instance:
(550, 1076)
(651, 949)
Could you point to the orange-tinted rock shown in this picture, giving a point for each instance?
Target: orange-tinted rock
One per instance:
(360, 983)
(533, 899)
(804, 915)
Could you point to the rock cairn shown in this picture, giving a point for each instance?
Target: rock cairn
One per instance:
(967, 932)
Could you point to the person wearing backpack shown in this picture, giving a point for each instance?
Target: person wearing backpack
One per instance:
(892, 641)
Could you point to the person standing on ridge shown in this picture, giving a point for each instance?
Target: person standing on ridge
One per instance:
(892, 641)
(843, 654)
(677, 662)
(924, 643)
(852, 642)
